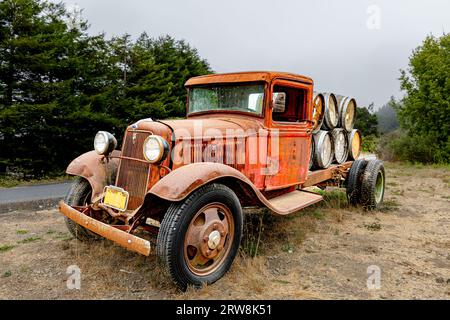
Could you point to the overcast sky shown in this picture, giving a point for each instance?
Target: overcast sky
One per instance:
(351, 47)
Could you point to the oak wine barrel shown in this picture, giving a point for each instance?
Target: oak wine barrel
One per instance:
(354, 144)
(331, 116)
(347, 112)
(318, 111)
(340, 145)
(323, 149)
(311, 158)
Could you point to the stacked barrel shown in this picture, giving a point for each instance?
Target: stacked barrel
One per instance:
(334, 138)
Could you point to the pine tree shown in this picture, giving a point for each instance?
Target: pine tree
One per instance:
(59, 85)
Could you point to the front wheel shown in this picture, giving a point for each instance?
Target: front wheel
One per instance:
(79, 195)
(200, 236)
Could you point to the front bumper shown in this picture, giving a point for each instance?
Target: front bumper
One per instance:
(118, 236)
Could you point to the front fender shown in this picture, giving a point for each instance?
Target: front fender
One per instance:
(179, 183)
(95, 169)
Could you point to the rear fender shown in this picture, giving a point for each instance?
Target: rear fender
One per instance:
(96, 169)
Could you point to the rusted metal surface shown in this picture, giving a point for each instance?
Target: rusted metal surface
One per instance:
(273, 169)
(332, 173)
(133, 175)
(178, 184)
(120, 237)
(181, 182)
(208, 239)
(246, 77)
(282, 149)
(96, 169)
(294, 201)
(278, 169)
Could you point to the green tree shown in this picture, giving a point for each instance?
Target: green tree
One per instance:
(152, 74)
(425, 110)
(58, 85)
(49, 72)
(366, 121)
(158, 70)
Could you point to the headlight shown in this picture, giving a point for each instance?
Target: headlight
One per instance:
(155, 149)
(104, 142)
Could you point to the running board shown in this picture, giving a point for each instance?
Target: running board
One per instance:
(293, 201)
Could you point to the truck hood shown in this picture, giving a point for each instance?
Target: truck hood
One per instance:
(205, 127)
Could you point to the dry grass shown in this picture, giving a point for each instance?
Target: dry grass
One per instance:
(6, 247)
(320, 252)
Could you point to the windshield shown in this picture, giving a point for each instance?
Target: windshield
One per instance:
(246, 98)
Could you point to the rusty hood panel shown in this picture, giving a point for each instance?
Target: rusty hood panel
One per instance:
(154, 127)
(201, 127)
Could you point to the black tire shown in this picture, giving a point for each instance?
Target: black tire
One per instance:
(373, 185)
(354, 178)
(171, 238)
(79, 194)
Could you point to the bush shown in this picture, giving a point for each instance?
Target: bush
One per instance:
(424, 110)
(370, 143)
(401, 146)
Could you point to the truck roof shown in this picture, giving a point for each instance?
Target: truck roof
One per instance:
(248, 76)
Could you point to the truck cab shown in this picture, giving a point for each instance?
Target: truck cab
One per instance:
(274, 112)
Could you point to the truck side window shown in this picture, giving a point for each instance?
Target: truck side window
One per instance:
(289, 104)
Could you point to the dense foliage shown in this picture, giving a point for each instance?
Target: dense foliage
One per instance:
(367, 123)
(59, 85)
(424, 112)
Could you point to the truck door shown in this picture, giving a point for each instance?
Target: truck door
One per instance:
(289, 134)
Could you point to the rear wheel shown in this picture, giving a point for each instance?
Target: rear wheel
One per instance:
(200, 236)
(79, 195)
(373, 185)
(354, 181)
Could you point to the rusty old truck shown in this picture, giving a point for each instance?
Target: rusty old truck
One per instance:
(187, 180)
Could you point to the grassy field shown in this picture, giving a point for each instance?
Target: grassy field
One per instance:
(322, 252)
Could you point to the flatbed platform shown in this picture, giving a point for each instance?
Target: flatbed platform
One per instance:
(319, 176)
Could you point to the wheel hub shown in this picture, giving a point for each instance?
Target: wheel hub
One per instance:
(208, 238)
(214, 239)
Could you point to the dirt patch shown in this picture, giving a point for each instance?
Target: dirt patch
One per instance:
(320, 253)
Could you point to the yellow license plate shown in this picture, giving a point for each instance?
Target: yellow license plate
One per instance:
(116, 198)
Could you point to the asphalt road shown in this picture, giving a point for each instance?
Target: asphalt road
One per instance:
(32, 197)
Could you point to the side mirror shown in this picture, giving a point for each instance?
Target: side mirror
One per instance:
(255, 101)
(279, 102)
